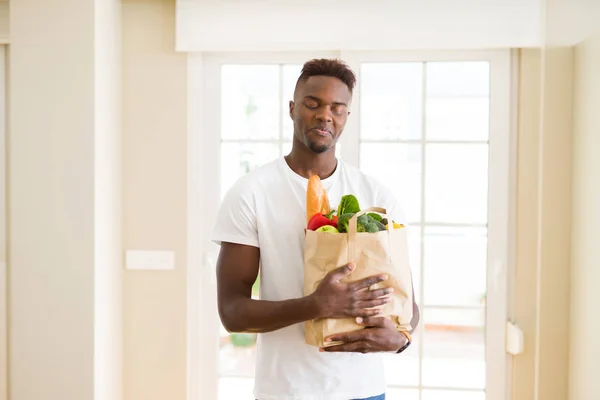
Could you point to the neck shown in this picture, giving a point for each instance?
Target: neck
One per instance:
(306, 163)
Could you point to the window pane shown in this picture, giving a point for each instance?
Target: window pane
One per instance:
(250, 102)
(455, 266)
(403, 369)
(467, 78)
(456, 183)
(398, 166)
(391, 101)
(458, 101)
(237, 356)
(452, 395)
(236, 389)
(401, 394)
(454, 349)
(458, 118)
(237, 159)
(286, 148)
(290, 75)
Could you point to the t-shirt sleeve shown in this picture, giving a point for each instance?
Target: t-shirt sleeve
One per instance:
(236, 218)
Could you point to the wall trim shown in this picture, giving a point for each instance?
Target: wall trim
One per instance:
(3, 230)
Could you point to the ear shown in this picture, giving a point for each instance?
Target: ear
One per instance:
(291, 109)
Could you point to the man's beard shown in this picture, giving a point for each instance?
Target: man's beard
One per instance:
(318, 148)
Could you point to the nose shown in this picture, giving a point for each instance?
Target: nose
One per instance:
(324, 115)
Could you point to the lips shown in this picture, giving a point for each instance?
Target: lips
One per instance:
(321, 131)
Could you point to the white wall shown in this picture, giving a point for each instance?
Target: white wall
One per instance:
(154, 201)
(4, 21)
(541, 288)
(64, 224)
(585, 261)
(314, 25)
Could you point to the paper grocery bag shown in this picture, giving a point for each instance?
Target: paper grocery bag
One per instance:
(373, 254)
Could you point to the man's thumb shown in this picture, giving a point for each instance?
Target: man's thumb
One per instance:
(342, 271)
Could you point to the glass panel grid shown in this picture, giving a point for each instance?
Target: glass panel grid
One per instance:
(426, 389)
(240, 154)
(244, 148)
(414, 388)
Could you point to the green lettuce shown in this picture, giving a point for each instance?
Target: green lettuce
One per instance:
(348, 205)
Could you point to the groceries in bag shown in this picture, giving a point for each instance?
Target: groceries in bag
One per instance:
(347, 233)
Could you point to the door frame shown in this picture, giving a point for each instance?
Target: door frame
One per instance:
(3, 227)
(201, 280)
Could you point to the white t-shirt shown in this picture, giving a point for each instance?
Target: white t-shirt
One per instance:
(267, 209)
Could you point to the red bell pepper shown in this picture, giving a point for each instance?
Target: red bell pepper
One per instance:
(319, 220)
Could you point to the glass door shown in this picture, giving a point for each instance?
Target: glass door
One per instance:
(434, 128)
(248, 101)
(430, 127)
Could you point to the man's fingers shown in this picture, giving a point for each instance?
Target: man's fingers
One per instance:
(347, 337)
(367, 282)
(379, 322)
(374, 294)
(359, 347)
(337, 274)
(364, 313)
(374, 303)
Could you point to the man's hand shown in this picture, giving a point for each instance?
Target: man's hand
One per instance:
(379, 335)
(335, 299)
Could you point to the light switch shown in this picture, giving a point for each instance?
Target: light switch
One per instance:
(150, 260)
(514, 339)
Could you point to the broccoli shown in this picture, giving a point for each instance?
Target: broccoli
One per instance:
(366, 223)
(380, 226)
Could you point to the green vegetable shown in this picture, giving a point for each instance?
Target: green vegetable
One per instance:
(366, 223)
(375, 216)
(381, 226)
(348, 204)
(343, 222)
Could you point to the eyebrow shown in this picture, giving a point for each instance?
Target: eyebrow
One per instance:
(319, 100)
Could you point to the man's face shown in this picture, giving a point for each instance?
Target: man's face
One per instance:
(319, 111)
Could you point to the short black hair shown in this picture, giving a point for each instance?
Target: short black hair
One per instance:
(328, 67)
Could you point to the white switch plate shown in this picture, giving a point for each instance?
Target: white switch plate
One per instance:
(514, 339)
(149, 260)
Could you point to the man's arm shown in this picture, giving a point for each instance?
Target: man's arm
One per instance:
(237, 270)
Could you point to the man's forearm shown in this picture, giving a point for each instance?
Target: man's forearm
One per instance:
(260, 316)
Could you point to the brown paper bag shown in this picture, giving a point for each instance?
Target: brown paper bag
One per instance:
(373, 253)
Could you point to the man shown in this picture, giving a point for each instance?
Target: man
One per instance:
(262, 221)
